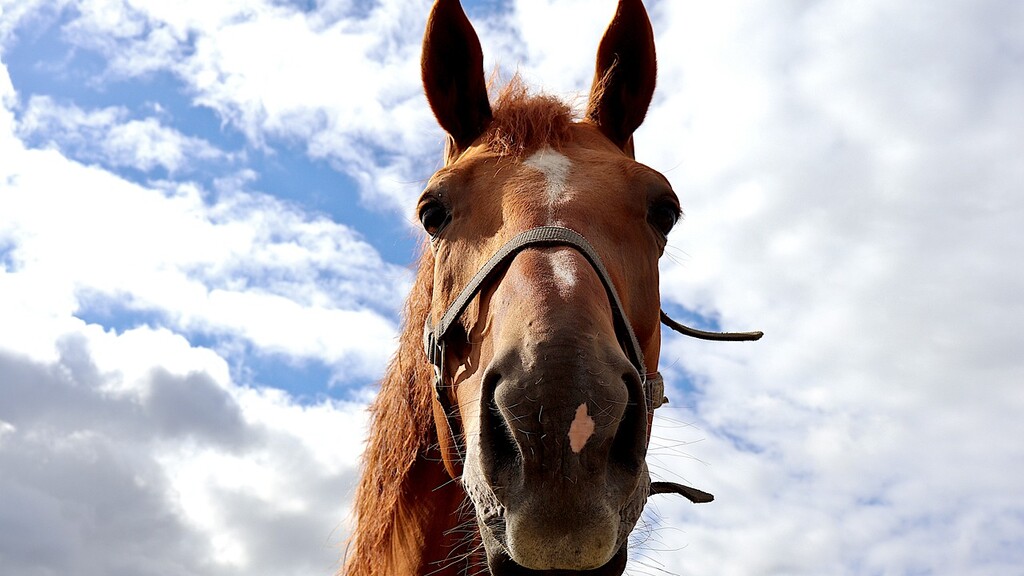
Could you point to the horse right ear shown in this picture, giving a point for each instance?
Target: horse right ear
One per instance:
(453, 75)
(625, 75)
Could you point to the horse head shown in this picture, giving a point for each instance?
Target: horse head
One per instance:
(544, 328)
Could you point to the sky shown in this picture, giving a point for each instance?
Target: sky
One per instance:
(206, 237)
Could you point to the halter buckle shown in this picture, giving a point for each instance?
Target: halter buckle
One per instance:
(434, 350)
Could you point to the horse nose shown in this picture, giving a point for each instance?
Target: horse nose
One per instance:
(562, 441)
(570, 407)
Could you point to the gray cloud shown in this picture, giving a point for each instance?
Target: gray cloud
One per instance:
(80, 491)
(87, 488)
(193, 406)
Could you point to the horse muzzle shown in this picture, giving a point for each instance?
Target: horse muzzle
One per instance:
(562, 442)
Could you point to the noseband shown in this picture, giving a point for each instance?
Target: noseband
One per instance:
(433, 336)
(653, 384)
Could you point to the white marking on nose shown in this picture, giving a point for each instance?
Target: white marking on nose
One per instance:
(581, 429)
(563, 271)
(555, 168)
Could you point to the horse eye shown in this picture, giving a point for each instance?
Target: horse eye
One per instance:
(434, 216)
(663, 216)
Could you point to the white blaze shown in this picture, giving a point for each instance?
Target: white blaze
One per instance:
(555, 168)
(581, 429)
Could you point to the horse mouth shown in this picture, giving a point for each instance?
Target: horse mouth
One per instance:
(501, 560)
(501, 564)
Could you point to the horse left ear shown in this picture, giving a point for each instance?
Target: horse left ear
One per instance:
(452, 66)
(625, 75)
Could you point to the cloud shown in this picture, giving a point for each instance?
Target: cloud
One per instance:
(231, 263)
(134, 451)
(110, 137)
(174, 469)
(847, 175)
(341, 80)
(22, 14)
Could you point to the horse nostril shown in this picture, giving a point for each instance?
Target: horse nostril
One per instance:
(629, 447)
(499, 452)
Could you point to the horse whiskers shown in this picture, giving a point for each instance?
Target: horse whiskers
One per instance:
(639, 545)
(447, 563)
(668, 443)
(669, 422)
(649, 569)
(681, 454)
(649, 564)
(445, 484)
(676, 451)
(465, 548)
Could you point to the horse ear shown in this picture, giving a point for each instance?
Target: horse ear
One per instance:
(625, 75)
(452, 65)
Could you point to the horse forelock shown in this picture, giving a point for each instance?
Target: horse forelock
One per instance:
(524, 122)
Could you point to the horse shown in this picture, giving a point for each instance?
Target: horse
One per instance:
(510, 432)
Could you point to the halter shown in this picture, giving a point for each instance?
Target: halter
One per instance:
(653, 384)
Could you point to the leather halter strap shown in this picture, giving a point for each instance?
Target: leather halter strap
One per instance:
(433, 336)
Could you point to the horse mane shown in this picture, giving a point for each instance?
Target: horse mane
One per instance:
(401, 431)
(389, 514)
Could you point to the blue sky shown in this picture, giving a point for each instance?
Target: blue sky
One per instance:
(205, 243)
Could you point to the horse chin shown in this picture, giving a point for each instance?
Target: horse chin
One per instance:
(501, 564)
(553, 556)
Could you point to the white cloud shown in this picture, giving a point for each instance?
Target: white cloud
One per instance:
(236, 264)
(136, 452)
(344, 84)
(15, 14)
(849, 179)
(552, 43)
(139, 444)
(110, 137)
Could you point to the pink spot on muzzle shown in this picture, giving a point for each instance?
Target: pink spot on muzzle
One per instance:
(581, 430)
